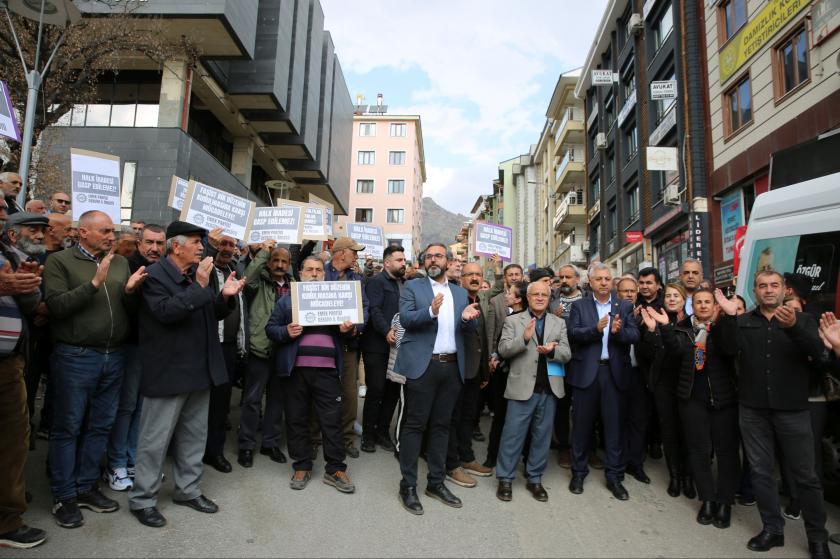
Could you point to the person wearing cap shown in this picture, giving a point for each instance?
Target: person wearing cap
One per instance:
(344, 254)
(25, 233)
(182, 360)
(89, 292)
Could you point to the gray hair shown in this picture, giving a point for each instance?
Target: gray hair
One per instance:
(597, 266)
(6, 175)
(572, 267)
(628, 278)
(536, 284)
(180, 239)
(691, 261)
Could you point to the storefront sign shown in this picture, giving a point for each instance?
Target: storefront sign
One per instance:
(323, 303)
(756, 33)
(95, 183)
(371, 236)
(731, 218)
(696, 226)
(724, 274)
(210, 208)
(633, 236)
(602, 77)
(665, 125)
(283, 224)
(825, 19)
(177, 192)
(8, 120)
(493, 239)
(661, 158)
(666, 89)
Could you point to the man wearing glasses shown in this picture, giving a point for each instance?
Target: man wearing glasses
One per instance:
(435, 313)
(59, 203)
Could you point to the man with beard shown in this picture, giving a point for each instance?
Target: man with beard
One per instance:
(435, 313)
(25, 233)
(383, 293)
(568, 292)
(58, 233)
(122, 443)
(268, 279)
(10, 185)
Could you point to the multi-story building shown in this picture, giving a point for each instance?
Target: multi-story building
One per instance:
(561, 217)
(387, 173)
(265, 101)
(774, 98)
(525, 191)
(636, 215)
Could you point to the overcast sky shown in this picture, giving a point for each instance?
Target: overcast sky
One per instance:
(479, 74)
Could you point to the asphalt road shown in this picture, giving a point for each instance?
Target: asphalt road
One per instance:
(261, 516)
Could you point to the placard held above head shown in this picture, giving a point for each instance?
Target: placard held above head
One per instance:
(314, 222)
(177, 192)
(283, 224)
(493, 239)
(329, 211)
(95, 183)
(210, 208)
(369, 235)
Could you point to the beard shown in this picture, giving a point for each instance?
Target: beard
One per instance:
(434, 272)
(398, 273)
(29, 248)
(566, 289)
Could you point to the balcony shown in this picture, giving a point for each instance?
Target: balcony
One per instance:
(571, 168)
(570, 212)
(570, 254)
(571, 128)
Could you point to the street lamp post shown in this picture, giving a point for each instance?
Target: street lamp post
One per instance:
(50, 12)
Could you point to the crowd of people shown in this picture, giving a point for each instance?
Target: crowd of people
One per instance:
(605, 371)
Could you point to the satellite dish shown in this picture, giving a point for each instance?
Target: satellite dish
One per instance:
(62, 13)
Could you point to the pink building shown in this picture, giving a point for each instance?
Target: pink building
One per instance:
(387, 172)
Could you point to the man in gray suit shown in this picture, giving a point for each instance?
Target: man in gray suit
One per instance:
(536, 345)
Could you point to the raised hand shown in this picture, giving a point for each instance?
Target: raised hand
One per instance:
(603, 323)
(102, 271)
(202, 273)
(232, 285)
(729, 306)
(616, 325)
(830, 330)
(17, 283)
(214, 236)
(294, 330)
(786, 316)
(497, 263)
(268, 245)
(436, 303)
(530, 330)
(660, 316)
(471, 312)
(136, 280)
(647, 318)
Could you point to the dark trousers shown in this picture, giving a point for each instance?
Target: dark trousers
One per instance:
(308, 388)
(761, 428)
(261, 375)
(37, 366)
(220, 406)
(459, 450)
(381, 398)
(601, 396)
(818, 416)
(562, 420)
(497, 386)
(710, 430)
(14, 443)
(667, 410)
(636, 421)
(429, 401)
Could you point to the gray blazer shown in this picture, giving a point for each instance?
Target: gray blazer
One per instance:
(523, 358)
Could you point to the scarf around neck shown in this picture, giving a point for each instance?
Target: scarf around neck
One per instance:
(701, 333)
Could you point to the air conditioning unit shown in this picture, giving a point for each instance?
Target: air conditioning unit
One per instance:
(635, 24)
(601, 140)
(671, 197)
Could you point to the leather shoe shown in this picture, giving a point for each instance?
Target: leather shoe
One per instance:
(765, 541)
(538, 491)
(200, 503)
(444, 495)
(723, 516)
(674, 486)
(246, 458)
(638, 474)
(385, 442)
(368, 445)
(819, 550)
(706, 514)
(688, 487)
(150, 517)
(218, 463)
(576, 485)
(505, 491)
(410, 501)
(274, 453)
(618, 490)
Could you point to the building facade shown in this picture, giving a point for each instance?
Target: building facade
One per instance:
(387, 173)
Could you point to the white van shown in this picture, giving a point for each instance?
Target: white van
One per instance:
(796, 229)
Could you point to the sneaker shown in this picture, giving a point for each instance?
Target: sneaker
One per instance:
(117, 479)
(459, 477)
(341, 481)
(477, 469)
(129, 470)
(67, 514)
(97, 502)
(362, 391)
(300, 479)
(793, 510)
(23, 538)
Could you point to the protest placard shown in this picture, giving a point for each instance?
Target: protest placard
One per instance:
(369, 235)
(329, 210)
(8, 121)
(314, 222)
(283, 224)
(492, 239)
(321, 303)
(177, 192)
(210, 208)
(95, 183)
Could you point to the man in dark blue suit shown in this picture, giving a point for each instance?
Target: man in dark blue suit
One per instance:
(601, 329)
(434, 313)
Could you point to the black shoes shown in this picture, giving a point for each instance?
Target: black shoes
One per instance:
(819, 550)
(200, 503)
(638, 473)
(537, 490)
(351, 450)
(655, 451)
(24, 537)
(765, 541)
(576, 485)
(444, 495)
(706, 514)
(384, 442)
(674, 486)
(218, 463)
(274, 453)
(150, 517)
(410, 501)
(368, 445)
(618, 490)
(505, 491)
(688, 487)
(246, 458)
(723, 516)
(67, 514)
(97, 502)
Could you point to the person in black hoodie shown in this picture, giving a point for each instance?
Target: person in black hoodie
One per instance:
(707, 394)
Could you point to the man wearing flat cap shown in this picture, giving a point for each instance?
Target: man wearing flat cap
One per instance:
(182, 360)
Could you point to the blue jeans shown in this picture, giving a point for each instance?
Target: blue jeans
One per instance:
(87, 392)
(537, 415)
(122, 444)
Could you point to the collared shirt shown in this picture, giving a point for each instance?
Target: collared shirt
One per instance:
(86, 253)
(689, 305)
(603, 310)
(445, 339)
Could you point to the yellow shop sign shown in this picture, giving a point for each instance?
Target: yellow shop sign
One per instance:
(749, 40)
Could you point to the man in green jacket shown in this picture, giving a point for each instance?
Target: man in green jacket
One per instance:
(268, 278)
(89, 291)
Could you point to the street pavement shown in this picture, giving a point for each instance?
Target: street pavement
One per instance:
(260, 516)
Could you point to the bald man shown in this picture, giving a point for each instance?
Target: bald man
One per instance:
(58, 232)
(36, 207)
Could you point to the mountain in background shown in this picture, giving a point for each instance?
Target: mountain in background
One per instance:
(439, 225)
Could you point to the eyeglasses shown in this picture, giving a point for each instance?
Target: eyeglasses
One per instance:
(435, 255)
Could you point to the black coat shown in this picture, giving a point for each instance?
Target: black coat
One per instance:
(179, 333)
(383, 294)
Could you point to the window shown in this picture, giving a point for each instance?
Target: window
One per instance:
(396, 158)
(398, 130)
(662, 28)
(594, 189)
(612, 222)
(628, 78)
(609, 111)
(631, 144)
(738, 105)
(367, 129)
(396, 216)
(364, 215)
(364, 186)
(791, 62)
(396, 187)
(127, 190)
(367, 158)
(595, 238)
(733, 15)
(397, 242)
(662, 106)
(610, 167)
(631, 204)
